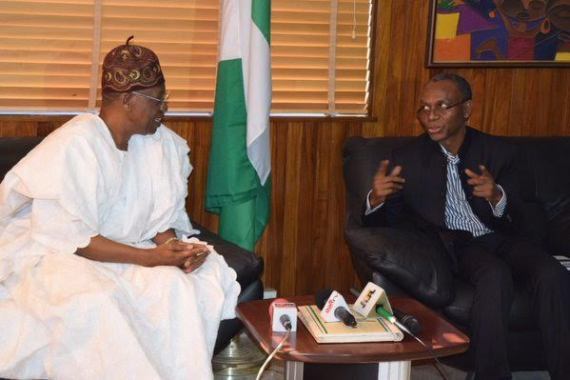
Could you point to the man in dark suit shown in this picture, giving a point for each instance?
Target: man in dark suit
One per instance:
(461, 183)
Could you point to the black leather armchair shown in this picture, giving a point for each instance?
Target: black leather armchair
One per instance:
(406, 261)
(247, 265)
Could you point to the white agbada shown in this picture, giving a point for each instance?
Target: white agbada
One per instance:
(66, 317)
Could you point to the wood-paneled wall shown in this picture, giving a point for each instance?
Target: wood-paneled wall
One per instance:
(303, 246)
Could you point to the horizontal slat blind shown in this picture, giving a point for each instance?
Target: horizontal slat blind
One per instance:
(352, 56)
(300, 56)
(46, 52)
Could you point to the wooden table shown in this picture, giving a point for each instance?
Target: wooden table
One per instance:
(394, 357)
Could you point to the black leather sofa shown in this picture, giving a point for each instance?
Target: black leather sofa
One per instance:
(402, 261)
(247, 265)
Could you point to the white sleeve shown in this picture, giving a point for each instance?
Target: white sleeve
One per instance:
(499, 209)
(369, 210)
(61, 179)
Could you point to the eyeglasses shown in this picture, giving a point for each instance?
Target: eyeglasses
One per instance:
(439, 109)
(161, 102)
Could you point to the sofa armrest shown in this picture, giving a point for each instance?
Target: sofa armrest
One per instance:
(248, 266)
(412, 261)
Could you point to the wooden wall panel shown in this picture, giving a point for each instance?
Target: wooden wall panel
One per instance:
(303, 246)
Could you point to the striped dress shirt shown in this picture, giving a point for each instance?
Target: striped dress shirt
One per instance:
(458, 213)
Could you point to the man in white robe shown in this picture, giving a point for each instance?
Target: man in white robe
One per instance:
(97, 277)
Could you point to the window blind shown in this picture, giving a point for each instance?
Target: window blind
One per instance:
(45, 58)
(302, 51)
(51, 52)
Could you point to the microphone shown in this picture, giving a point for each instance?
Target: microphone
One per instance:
(334, 308)
(411, 326)
(373, 299)
(409, 321)
(283, 315)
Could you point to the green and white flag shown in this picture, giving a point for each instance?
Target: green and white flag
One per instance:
(239, 173)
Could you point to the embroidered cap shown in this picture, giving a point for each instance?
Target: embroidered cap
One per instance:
(130, 67)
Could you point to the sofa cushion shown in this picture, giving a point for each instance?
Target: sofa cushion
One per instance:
(417, 264)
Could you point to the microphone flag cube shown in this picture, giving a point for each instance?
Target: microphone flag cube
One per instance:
(334, 301)
(371, 296)
(282, 310)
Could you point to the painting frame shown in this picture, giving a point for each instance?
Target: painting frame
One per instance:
(440, 51)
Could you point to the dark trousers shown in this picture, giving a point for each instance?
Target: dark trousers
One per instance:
(491, 263)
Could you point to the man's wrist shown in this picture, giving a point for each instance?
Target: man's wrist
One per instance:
(149, 257)
(500, 206)
(497, 195)
(163, 237)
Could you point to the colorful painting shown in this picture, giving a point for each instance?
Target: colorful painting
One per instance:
(499, 33)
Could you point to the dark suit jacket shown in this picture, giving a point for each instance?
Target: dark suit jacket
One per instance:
(424, 166)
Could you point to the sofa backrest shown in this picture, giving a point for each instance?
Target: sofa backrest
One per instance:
(361, 158)
(544, 167)
(543, 163)
(13, 149)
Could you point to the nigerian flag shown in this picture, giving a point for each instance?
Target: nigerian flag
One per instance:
(239, 173)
